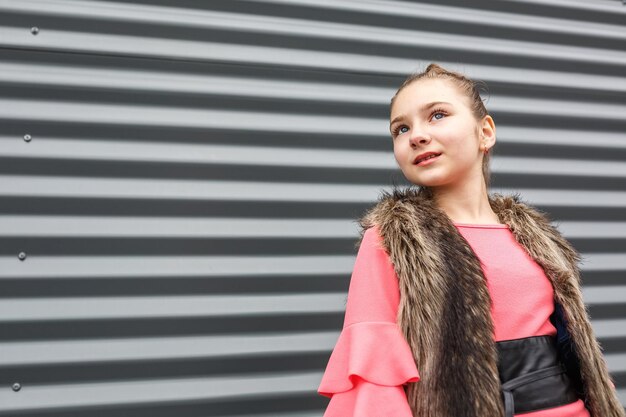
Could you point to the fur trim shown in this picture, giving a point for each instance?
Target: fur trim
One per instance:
(445, 307)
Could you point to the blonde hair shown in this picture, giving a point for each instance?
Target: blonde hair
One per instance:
(467, 87)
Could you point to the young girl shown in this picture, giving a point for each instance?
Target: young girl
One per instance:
(461, 302)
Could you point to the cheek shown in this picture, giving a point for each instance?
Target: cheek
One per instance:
(457, 143)
(397, 153)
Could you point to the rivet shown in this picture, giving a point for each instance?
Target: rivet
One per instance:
(27, 137)
(21, 256)
(16, 386)
(34, 30)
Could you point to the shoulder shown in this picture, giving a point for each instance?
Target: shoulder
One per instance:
(517, 211)
(370, 239)
(395, 206)
(527, 220)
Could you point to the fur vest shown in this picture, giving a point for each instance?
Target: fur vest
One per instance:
(444, 310)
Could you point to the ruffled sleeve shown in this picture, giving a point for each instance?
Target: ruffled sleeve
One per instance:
(371, 360)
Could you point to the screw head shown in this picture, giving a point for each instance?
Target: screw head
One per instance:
(21, 256)
(34, 30)
(27, 137)
(16, 386)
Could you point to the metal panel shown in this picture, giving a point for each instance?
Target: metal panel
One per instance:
(179, 182)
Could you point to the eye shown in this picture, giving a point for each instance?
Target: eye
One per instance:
(438, 111)
(399, 129)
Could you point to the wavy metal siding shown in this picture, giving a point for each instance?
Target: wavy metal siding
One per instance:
(181, 182)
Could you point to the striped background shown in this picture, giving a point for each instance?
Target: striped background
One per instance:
(179, 183)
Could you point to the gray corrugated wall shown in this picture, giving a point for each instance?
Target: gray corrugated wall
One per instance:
(181, 180)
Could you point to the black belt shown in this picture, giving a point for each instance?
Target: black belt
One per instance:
(532, 376)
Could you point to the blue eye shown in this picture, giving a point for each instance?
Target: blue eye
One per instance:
(438, 111)
(399, 129)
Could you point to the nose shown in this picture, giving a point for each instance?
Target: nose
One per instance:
(418, 138)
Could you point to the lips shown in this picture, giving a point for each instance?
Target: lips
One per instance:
(423, 156)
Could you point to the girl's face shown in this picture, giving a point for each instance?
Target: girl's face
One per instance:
(420, 124)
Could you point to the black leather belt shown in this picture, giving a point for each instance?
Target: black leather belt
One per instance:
(532, 376)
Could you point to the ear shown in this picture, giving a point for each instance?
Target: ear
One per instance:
(488, 131)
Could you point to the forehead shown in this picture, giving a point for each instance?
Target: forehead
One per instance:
(424, 91)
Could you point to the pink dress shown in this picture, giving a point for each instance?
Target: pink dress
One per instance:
(372, 360)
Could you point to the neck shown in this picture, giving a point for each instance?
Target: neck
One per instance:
(466, 204)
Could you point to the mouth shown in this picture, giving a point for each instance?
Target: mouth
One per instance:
(423, 160)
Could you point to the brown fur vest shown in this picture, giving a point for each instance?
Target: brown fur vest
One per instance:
(444, 310)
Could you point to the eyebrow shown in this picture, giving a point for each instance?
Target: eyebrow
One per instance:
(425, 107)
